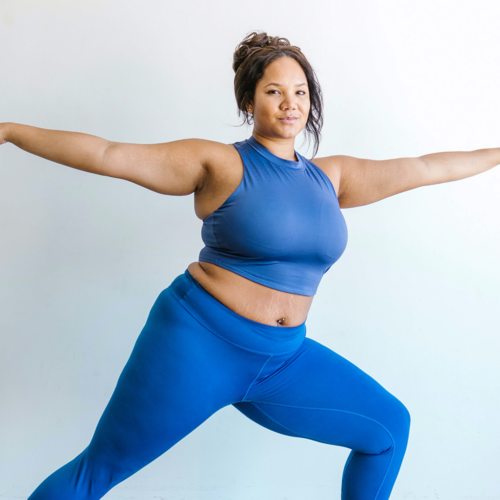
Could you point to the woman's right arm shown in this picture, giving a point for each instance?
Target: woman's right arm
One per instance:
(175, 168)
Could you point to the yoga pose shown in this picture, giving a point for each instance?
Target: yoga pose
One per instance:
(231, 329)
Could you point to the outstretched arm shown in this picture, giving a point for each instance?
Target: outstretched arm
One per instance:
(175, 168)
(365, 181)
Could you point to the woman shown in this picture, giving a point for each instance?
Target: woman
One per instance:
(232, 328)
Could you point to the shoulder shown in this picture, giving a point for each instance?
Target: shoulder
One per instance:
(220, 157)
(207, 151)
(331, 166)
(223, 167)
(214, 157)
(213, 153)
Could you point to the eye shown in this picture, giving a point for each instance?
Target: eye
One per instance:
(303, 92)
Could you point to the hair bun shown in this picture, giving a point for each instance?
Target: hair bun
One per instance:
(253, 42)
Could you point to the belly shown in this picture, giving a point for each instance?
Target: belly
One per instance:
(249, 299)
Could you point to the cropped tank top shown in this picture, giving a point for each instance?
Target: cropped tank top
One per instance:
(281, 227)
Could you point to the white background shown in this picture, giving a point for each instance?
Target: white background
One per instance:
(413, 301)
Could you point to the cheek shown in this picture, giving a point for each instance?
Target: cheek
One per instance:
(267, 112)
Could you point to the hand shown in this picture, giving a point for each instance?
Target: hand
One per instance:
(3, 133)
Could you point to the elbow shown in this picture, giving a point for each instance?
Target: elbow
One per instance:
(104, 161)
(425, 172)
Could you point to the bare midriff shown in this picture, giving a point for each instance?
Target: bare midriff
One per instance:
(250, 299)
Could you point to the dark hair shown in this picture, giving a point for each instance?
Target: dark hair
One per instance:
(250, 59)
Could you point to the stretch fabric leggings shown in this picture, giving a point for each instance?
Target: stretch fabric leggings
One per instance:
(195, 356)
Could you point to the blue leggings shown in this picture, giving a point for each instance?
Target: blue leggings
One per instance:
(195, 356)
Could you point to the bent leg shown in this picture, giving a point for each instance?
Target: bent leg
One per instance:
(317, 394)
(178, 374)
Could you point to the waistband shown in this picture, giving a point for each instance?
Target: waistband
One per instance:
(231, 326)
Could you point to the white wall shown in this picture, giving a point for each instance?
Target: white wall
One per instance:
(413, 301)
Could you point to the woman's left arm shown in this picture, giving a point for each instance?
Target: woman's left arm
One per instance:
(365, 181)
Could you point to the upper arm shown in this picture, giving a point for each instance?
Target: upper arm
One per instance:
(364, 181)
(174, 168)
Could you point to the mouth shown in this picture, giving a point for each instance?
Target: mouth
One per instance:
(289, 119)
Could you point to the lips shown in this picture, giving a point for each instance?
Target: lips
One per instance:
(289, 119)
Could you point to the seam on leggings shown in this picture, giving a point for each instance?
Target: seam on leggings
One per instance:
(388, 467)
(386, 471)
(256, 377)
(343, 411)
(228, 341)
(295, 434)
(285, 427)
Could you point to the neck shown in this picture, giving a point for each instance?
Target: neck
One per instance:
(283, 148)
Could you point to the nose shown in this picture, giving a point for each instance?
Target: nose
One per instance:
(289, 102)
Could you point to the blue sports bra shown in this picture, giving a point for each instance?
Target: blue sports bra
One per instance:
(281, 227)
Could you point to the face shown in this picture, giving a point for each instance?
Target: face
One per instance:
(281, 92)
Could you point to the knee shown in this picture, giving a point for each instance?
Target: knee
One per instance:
(404, 417)
(398, 423)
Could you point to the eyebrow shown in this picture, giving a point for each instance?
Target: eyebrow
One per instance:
(278, 84)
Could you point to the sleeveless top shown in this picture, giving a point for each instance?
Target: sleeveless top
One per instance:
(282, 226)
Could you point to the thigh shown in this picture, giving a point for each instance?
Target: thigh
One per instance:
(181, 371)
(178, 374)
(318, 394)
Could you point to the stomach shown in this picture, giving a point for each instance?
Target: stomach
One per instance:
(250, 299)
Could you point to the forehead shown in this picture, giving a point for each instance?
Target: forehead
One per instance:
(283, 70)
